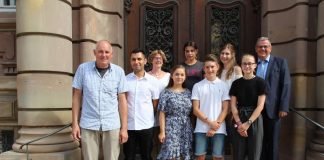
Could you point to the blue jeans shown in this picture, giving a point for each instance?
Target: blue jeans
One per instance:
(201, 144)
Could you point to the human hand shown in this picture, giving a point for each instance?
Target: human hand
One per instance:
(210, 133)
(242, 129)
(214, 125)
(243, 133)
(162, 137)
(123, 136)
(282, 114)
(76, 134)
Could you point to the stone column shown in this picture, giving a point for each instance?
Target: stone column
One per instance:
(101, 19)
(44, 63)
(316, 147)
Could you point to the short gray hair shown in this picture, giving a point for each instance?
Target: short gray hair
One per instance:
(262, 39)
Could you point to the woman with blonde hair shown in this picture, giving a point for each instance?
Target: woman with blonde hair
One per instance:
(157, 58)
(230, 71)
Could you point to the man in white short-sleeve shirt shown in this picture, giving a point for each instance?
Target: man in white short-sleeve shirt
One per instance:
(142, 99)
(210, 104)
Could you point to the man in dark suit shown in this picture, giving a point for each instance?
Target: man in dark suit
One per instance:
(276, 74)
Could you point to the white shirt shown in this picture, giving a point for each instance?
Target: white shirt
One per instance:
(139, 99)
(232, 78)
(162, 83)
(210, 94)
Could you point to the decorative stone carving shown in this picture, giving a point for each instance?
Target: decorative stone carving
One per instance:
(7, 53)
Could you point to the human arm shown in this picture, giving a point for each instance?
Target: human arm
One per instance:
(162, 126)
(155, 103)
(122, 104)
(236, 116)
(202, 117)
(220, 119)
(234, 110)
(76, 105)
(256, 113)
(199, 114)
(223, 114)
(285, 90)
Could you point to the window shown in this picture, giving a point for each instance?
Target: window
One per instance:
(7, 5)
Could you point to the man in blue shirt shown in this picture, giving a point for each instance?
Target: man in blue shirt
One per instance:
(99, 88)
(274, 70)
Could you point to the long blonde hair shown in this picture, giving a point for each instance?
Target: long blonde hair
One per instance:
(232, 63)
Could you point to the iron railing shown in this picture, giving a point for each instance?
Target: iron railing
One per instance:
(307, 118)
(68, 125)
(45, 136)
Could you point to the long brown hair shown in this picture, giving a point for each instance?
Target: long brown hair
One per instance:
(170, 84)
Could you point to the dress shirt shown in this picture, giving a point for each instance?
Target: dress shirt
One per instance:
(139, 99)
(99, 110)
(262, 67)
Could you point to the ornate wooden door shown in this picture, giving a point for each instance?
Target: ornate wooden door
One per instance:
(168, 24)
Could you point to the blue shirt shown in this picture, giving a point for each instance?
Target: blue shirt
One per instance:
(100, 96)
(262, 67)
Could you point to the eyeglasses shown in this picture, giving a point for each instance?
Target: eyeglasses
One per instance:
(157, 58)
(265, 47)
(247, 64)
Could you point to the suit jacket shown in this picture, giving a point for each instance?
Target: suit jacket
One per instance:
(278, 87)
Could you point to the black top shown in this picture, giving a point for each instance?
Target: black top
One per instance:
(102, 71)
(247, 91)
(194, 74)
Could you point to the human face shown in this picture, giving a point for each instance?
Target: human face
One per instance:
(226, 56)
(263, 49)
(103, 54)
(179, 76)
(137, 61)
(210, 69)
(248, 64)
(190, 53)
(157, 61)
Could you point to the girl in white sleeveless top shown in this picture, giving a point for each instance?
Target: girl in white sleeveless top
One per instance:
(230, 71)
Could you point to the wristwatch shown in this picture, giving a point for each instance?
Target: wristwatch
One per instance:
(249, 122)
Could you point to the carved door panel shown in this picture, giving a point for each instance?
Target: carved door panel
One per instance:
(168, 24)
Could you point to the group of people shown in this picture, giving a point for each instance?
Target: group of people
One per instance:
(154, 110)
